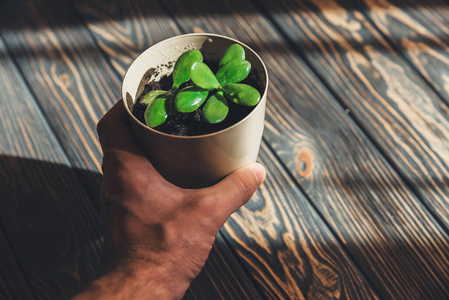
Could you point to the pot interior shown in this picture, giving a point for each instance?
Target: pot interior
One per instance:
(159, 60)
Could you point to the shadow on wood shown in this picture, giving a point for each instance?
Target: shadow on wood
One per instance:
(58, 243)
(44, 215)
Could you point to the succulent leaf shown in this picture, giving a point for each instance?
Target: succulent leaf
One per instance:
(181, 72)
(241, 94)
(170, 104)
(233, 71)
(149, 97)
(232, 52)
(233, 68)
(216, 109)
(155, 113)
(203, 77)
(190, 99)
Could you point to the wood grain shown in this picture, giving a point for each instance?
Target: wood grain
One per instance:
(419, 30)
(46, 213)
(381, 223)
(222, 277)
(327, 271)
(287, 247)
(121, 37)
(398, 110)
(55, 54)
(13, 284)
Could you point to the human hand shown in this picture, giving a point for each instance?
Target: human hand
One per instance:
(157, 236)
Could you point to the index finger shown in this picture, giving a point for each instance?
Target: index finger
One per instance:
(120, 149)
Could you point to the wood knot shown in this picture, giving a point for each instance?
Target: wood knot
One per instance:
(304, 162)
(64, 77)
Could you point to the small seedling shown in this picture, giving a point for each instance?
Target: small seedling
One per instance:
(212, 90)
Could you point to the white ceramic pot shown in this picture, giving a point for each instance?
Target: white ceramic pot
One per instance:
(194, 161)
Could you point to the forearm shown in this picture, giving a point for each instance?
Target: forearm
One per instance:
(137, 282)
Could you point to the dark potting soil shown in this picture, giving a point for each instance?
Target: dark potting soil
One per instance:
(192, 124)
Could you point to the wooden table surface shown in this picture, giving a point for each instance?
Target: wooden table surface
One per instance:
(356, 144)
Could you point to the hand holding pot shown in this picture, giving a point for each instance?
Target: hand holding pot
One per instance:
(157, 235)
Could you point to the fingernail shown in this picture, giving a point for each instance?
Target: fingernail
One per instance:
(259, 173)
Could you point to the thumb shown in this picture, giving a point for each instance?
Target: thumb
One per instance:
(237, 188)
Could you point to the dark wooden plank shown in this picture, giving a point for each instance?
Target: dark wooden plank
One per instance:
(398, 109)
(381, 223)
(420, 31)
(222, 277)
(55, 56)
(13, 284)
(121, 37)
(46, 214)
(314, 268)
(75, 85)
(287, 247)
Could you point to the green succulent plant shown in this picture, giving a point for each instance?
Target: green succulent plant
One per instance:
(212, 90)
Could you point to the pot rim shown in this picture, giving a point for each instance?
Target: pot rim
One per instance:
(203, 135)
